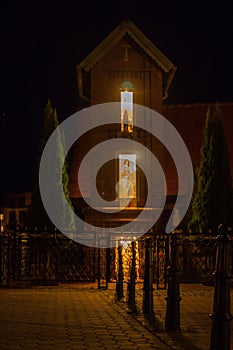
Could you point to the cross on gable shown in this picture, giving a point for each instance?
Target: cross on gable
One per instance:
(126, 56)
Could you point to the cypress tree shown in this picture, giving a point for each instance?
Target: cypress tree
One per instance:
(67, 215)
(37, 214)
(213, 201)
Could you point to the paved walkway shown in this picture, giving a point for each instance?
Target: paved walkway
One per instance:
(66, 318)
(79, 316)
(195, 306)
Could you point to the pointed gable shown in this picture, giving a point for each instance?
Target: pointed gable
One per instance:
(128, 28)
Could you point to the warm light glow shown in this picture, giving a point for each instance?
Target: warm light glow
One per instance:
(1, 223)
(127, 111)
(127, 259)
(127, 175)
(125, 243)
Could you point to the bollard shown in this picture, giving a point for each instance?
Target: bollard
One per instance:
(119, 283)
(108, 266)
(148, 280)
(172, 321)
(132, 282)
(221, 317)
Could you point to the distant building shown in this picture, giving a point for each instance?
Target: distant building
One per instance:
(189, 120)
(14, 209)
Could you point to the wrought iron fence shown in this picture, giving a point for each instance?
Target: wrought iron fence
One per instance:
(196, 258)
(51, 256)
(44, 256)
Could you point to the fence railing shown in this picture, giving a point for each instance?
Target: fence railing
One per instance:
(51, 256)
(43, 256)
(161, 260)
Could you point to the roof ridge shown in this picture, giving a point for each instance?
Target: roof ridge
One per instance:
(127, 26)
(196, 104)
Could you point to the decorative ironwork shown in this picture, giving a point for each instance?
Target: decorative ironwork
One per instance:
(44, 256)
(4, 262)
(160, 259)
(221, 317)
(137, 135)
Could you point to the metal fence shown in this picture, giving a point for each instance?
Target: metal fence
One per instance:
(45, 256)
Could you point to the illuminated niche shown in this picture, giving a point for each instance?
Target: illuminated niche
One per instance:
(127, 107)
(127, 176)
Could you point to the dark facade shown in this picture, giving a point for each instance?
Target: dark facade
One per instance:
(125, 61)
(127, 56)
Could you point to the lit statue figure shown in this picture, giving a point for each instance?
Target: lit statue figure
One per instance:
(127, 180)
(127, 124)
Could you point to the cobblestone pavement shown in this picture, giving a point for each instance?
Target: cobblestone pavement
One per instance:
(69, 317)
(79, 316)
(195, 306)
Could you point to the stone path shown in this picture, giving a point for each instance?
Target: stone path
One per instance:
(195, 306)
(79, 316)
(69, 318)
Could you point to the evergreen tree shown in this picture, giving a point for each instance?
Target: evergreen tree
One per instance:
(213, 202)
(37, 214)
(67, 216)
(184, 224)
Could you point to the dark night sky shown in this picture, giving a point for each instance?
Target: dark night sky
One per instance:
(43, 42)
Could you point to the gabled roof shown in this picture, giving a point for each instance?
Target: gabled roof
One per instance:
(127, 27)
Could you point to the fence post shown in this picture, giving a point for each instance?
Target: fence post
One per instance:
(221, 317)
(119, 282)
(132, 281)
(172, 321)
(99, 268)
(157, 238)
(148, 280)
(102, 268)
